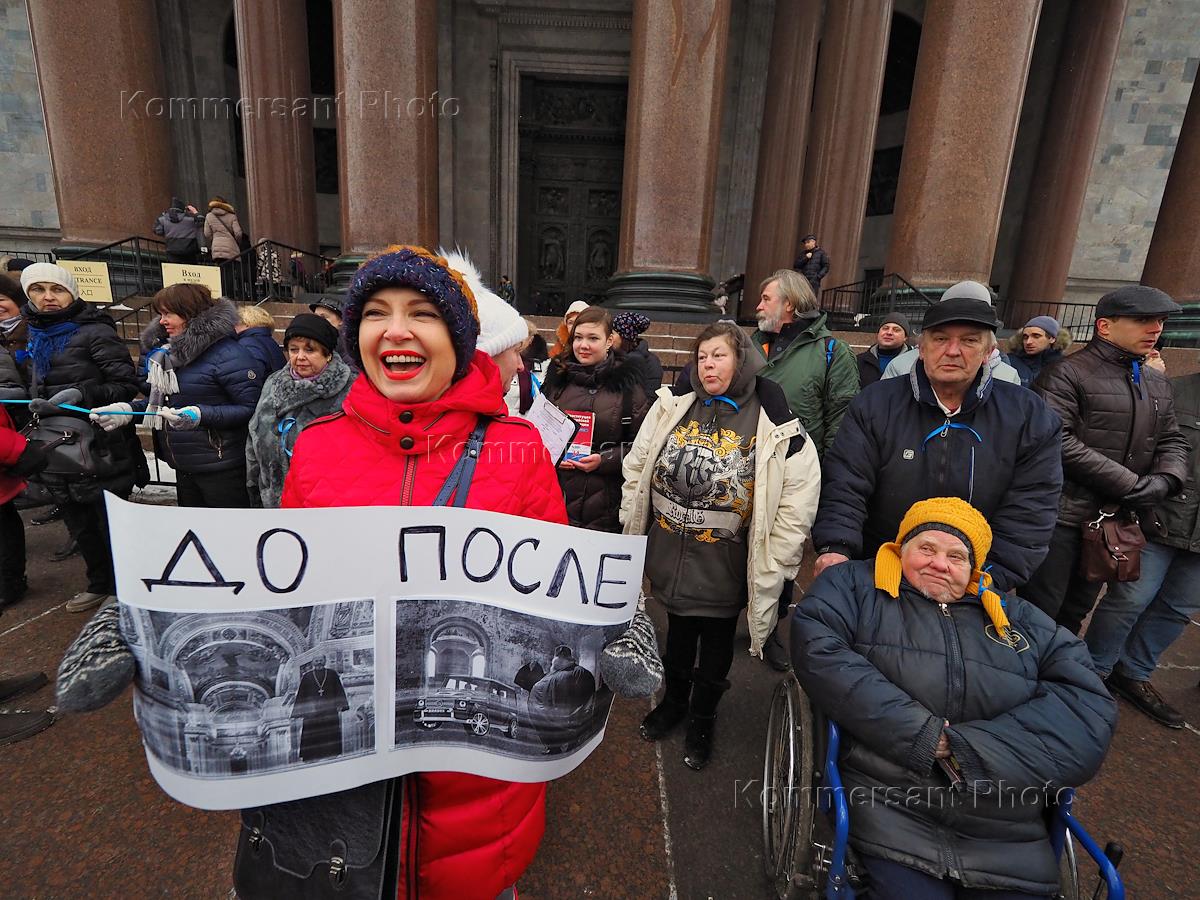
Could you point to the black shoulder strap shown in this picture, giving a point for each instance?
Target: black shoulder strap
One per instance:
(627, 417)
(458, 482)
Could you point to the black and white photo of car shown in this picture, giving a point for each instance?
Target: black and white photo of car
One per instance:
(479, 704)
(498, 680)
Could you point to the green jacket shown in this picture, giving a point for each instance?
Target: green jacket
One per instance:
(1180, 514)
(818, 384)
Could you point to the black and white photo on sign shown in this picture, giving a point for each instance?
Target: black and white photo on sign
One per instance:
(222, 694)
(489, 678)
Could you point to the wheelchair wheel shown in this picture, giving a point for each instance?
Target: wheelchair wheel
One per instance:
(1068, 872)
(788, 801)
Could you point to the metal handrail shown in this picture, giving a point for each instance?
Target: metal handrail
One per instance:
(136, 239)
(242, 275)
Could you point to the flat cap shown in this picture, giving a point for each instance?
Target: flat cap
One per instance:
(1136, 300)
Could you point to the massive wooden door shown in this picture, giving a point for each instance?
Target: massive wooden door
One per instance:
(572, 147)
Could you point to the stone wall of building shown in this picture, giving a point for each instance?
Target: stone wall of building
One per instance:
(27, 201)
(1153, 79)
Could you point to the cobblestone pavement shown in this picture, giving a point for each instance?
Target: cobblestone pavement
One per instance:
(84, 819)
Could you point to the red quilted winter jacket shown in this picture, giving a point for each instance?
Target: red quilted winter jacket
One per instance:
(12, 445)
(464, 836)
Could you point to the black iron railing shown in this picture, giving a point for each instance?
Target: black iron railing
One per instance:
(33, 255)
(273, 271)
(860, 304)
(134, 264)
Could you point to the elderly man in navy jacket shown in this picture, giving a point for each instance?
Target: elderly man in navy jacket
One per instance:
(947, 429)
(963, 715)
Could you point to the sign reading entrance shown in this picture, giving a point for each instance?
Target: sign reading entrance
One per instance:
(183, 273)
(290, 653)
(92, 278)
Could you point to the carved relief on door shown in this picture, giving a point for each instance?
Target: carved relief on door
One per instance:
(572, 140)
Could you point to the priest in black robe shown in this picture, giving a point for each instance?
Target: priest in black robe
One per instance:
(320, 701)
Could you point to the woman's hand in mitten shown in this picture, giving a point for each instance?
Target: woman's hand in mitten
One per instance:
(113, 416)
(184, 419)
(31, 461)
(97, 666)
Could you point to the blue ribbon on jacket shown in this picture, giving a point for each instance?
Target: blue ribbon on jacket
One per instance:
(722, 398)
(944, 430)
(44, 343)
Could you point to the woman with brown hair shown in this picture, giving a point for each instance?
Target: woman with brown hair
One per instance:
(603, 390)
(202, 386)
(725, 482)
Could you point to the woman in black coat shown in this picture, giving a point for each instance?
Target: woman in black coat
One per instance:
(75, 346)
(204, 387)
(604, 390)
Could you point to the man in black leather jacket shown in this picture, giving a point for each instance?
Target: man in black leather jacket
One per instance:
(1121, 444)
(962, 716)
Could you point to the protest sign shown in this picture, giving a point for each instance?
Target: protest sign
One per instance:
(92, 279)
(185, 273)
(284, 654)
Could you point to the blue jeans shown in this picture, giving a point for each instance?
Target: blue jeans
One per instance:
(1137, 620)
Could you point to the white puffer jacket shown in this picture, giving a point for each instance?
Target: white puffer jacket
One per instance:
(787, 487)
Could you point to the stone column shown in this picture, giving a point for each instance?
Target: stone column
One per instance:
(1173, 262)
(775, 223)
(1064, 160)
(970, 82)
(104, 99)
(388, 132)
(845, 112)
(272, 46)
(677, 76)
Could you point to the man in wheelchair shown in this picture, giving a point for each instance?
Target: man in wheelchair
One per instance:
(962, 713)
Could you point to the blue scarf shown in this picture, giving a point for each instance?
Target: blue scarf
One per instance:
(44, 343)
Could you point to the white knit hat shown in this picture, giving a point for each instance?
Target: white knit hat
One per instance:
(577, 307)
(43, 272)
(500, 326)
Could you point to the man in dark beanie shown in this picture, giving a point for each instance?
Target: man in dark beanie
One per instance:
(1122, 449)
(890, 341)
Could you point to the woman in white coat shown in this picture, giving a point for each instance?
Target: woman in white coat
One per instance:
(725, 482)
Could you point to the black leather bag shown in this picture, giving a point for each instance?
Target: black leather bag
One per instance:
(343, 846)
(75, 448)
(1112, 546)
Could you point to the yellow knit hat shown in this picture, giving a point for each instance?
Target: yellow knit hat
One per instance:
(966, 522)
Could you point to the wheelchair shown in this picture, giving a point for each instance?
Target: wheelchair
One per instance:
(806, 816)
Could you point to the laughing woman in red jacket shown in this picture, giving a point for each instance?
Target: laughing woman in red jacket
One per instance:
(410, 323)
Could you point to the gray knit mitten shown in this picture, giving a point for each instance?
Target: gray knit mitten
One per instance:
(97, 666)
(630, 665)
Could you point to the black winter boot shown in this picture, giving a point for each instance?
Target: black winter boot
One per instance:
(697, 745)
(671, 711)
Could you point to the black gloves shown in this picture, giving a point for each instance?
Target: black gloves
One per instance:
(50, 406)
(31, 461)
(1150, 489)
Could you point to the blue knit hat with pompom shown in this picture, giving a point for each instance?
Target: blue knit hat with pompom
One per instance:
(415, 267)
